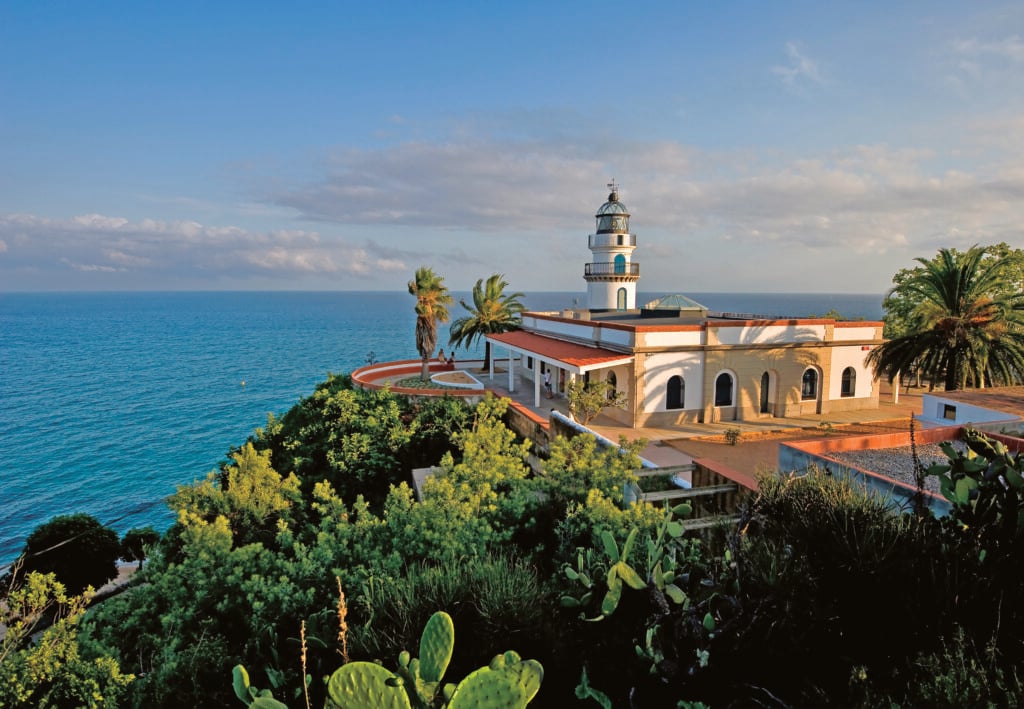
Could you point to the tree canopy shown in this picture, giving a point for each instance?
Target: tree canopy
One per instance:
(76, 548)
(588, 399)
(958, 318)
(432, 301)
(493, 311)
(136, 543)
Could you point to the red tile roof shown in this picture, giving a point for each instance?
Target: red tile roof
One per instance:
(579, 357)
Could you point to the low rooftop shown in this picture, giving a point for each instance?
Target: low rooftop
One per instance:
(1006, 399)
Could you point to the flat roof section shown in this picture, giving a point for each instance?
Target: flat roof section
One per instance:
(574, 357)
(1009, 400)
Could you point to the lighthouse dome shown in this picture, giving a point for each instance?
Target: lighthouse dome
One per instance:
(613, 206)
(612, 217)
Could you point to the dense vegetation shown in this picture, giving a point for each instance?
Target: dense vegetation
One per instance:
(821, 595)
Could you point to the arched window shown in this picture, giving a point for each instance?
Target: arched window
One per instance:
(620, 264)
(676, 393)
(723, 389)
(766, 381)
(849, 386)
(612, 385)
(809, 385)
(621, 299)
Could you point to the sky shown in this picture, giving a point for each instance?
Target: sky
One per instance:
(760, 147)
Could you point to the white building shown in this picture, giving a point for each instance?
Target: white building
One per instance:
(676, 361)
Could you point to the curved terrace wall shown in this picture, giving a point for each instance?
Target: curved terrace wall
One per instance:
(375, 376)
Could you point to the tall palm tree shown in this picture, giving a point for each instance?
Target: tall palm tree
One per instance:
(432, 301)
(967, 325)
(492, 311)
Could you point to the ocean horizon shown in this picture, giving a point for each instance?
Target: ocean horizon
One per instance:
(110, 400)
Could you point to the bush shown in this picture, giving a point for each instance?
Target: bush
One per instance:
(50, 671)
(826, 578)
(76, 548)
(136, 543)
(495, 601)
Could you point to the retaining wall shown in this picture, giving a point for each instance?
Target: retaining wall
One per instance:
(798, 456)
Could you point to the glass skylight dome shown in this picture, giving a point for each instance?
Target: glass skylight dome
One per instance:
(676, 301)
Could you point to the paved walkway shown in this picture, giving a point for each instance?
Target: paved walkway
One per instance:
(908, 403)
(678, 445)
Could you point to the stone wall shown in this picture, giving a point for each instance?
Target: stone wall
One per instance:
(530, 426)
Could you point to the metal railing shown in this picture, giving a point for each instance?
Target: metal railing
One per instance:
(611, 269)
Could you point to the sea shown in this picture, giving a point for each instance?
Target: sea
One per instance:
(109, 401)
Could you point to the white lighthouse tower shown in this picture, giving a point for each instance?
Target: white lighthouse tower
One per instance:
(611, 277)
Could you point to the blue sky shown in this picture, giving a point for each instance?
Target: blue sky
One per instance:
(759, 146)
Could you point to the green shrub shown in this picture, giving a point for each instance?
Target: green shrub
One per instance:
(826, 578)
(492, 599)
(76, 548)
(959, 675)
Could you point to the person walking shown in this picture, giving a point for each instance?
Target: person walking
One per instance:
(547, 382)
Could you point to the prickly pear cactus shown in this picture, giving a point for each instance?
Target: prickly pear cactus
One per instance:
(256, 698)
(359, 685)
(507, 683)
(423, 674)
(436, 646)
(528, 675)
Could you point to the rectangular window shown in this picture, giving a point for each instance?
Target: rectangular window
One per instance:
(949, 412)
(529, 362)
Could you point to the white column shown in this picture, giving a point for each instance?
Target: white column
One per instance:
(536, 383)
(511, 386)
(490, 365)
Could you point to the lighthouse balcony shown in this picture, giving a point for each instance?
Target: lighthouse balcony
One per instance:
(625, 271)
(599, 240)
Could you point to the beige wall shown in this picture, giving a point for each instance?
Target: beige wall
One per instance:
(785, 367)
(747, 352)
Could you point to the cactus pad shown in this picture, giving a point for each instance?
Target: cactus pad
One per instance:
(436, 646)
(506, 683)
(358, 685)
(487, 689)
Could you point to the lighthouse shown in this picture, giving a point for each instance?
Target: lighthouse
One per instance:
(612, 274)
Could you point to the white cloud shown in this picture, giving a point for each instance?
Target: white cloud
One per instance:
(472, 206)
(90, 267)
(1009, 48)
(800, 70)
(863, 198)
(982, 71)
(183, 250)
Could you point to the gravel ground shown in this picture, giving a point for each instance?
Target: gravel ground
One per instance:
(898, 463)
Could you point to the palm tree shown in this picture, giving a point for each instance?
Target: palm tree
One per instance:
(432, 301)
(492, 311)
(967, 324)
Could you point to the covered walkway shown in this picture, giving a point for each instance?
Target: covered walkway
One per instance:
(530, 356)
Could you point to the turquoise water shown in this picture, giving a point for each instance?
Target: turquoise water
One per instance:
(110, 400)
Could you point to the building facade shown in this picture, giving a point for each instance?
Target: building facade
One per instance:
(676, 362)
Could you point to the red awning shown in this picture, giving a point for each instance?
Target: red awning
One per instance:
(570, 355)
